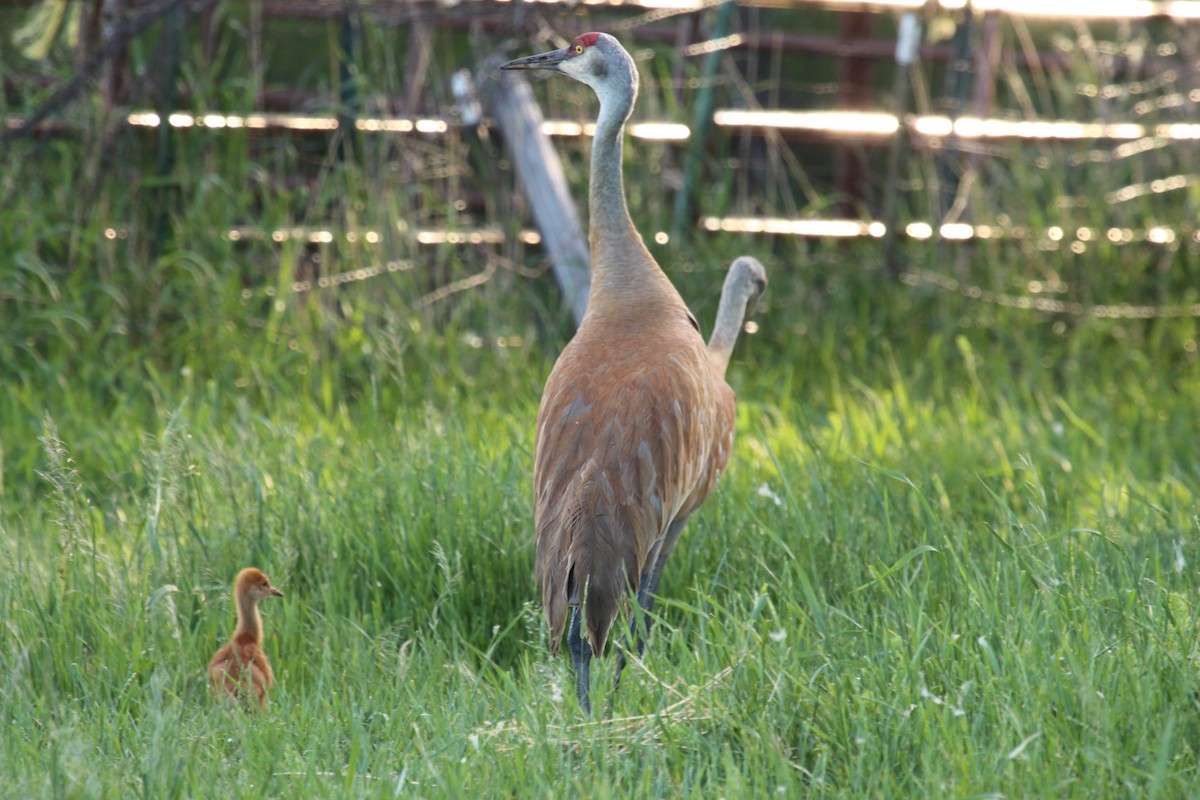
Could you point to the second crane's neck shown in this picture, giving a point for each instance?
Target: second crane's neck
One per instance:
(736, 294)
(621, 264)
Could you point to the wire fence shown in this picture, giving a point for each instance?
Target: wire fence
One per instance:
(1158, 103)
(910, 277)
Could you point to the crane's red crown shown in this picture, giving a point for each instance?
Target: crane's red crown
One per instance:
(587, 39)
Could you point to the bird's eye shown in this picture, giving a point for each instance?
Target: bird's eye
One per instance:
(578, 49)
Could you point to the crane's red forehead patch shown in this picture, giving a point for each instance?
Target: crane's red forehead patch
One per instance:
(587, 39)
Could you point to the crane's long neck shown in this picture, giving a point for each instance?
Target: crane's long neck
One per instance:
(249, 623)
(620, 260)
(610, 218)
(735, 295)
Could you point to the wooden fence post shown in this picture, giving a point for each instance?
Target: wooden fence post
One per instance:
(987, 60)
(509, 101)
(908, 40)
(957, 87)
(347, 86)
(855, 93)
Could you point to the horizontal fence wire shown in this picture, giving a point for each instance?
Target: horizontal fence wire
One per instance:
(865, 124)
(1047, 239)
(910, 277)
(923, 277)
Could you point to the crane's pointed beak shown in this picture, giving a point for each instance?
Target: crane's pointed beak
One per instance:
(549, 60)
(275, 592)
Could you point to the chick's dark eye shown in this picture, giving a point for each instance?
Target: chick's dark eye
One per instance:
(578, 49)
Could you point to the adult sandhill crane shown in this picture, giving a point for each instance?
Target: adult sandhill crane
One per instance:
(636, 420)
(744, 283)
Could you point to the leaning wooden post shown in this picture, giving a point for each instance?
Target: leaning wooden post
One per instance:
(509, 101)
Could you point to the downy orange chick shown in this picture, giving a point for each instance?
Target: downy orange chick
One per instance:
(240, 669)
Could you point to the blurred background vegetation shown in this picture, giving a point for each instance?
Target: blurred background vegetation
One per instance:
(120, 274)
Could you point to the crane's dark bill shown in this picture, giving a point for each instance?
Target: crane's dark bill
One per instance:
(549, 60)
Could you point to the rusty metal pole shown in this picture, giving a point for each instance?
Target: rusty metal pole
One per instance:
(701, 122)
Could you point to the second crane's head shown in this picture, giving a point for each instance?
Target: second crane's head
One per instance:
(596, 59)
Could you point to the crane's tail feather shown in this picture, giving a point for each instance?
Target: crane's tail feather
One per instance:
(593, 573)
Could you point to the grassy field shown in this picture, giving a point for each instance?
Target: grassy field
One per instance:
(955, 554)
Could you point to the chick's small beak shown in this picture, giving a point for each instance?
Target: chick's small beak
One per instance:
(549, 60)
(275, 592)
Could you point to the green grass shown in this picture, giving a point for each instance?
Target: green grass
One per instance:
(955, 554)
(966, 586)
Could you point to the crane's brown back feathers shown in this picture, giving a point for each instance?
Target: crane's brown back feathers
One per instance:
(631, 435)
(240, 670)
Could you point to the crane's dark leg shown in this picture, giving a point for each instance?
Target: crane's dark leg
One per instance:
(581, 658)
(647, 587)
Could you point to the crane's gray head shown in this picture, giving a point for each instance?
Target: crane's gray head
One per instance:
(596, 59)
(748, 272)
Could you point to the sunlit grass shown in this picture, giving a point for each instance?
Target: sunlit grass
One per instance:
(916, 578)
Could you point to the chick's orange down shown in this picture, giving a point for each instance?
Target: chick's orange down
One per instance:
(240, 669)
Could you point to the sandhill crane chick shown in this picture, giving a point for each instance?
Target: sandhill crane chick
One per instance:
(636, 421)
(240, 669)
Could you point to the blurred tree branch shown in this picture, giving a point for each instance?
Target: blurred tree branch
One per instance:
(114, 45)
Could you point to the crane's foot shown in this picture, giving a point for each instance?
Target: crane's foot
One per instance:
(581, 659)
(640, 622)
